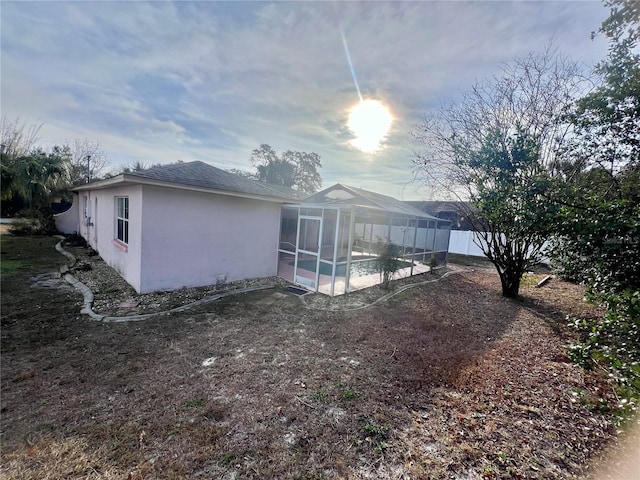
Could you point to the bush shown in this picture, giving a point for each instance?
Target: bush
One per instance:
(388, 261)
(599, 247)
(34, 221)
(614, 343)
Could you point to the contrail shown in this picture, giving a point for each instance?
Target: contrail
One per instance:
(353, 72)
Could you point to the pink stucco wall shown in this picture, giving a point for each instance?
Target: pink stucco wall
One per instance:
(180, 238)
(99, 229)
(193, 238)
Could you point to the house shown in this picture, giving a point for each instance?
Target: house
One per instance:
(463, 239)
(192, 224)
(446, 209)
(180, 225)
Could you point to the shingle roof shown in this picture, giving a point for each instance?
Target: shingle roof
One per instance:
(453, 210)
(433, 207)
(203, 175)
(365, 198)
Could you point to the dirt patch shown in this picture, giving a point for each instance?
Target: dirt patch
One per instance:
(444, 380)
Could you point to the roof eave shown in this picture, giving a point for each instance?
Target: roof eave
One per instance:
(343, 206)
(126, 180)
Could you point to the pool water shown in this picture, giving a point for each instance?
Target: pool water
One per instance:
(358, 268)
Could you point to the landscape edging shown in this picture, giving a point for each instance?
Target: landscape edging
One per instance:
(87, 294)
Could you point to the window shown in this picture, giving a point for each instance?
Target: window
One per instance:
(122, 219)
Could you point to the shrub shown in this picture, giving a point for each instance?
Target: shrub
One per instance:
(388, 260)
(614, 343)
(34, 221)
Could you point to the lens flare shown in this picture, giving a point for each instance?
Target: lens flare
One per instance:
(370, 122)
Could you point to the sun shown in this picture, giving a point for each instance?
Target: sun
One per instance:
(369, 121)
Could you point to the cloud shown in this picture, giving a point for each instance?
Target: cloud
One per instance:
(211, 81)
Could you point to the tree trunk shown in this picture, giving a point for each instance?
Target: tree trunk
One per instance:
(510, 279)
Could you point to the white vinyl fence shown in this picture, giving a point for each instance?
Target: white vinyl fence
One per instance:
(461, 242)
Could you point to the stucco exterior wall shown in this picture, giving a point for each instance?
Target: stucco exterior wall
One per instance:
(192, 239)
(69, 221)
(97, 221)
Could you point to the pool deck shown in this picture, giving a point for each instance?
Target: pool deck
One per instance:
(285, 270)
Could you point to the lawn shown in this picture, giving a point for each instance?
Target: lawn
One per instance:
(444, 380)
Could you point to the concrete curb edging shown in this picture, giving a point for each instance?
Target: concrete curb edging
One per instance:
(70, 256)
(87, 294)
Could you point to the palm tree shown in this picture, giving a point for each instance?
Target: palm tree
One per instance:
(36, 176)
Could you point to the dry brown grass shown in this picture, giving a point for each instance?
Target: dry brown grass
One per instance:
(446, 380)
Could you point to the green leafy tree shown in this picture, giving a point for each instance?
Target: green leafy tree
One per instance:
(243, 173)
(598, 238)
(306, 177)
(598, 234)
(296, 170)
(509, 211)
(493, 148)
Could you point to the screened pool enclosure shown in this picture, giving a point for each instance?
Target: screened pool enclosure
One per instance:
(328, 243)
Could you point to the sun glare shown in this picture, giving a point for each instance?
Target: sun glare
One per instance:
(369, 121)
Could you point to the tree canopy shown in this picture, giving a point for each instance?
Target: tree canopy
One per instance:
(492, 149)
(292, 169)
(31, 176)
(597, 240)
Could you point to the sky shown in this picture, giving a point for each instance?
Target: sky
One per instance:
(157, 82)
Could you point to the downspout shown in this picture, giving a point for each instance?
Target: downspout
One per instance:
(87, 219)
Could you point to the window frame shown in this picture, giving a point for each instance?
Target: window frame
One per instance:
(122, 220)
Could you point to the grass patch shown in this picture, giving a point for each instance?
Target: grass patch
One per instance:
(379, 431)
(377, 436)
(11, 267)
(319, 395)
(195, 403)
(228, 459)
(349, 395)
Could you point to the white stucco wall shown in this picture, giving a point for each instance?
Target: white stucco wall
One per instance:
(100, 231)
(69, 221)
(192, 238)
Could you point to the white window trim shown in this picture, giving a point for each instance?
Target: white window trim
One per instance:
(125, 220)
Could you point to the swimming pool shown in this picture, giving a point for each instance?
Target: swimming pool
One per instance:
(358, 267)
